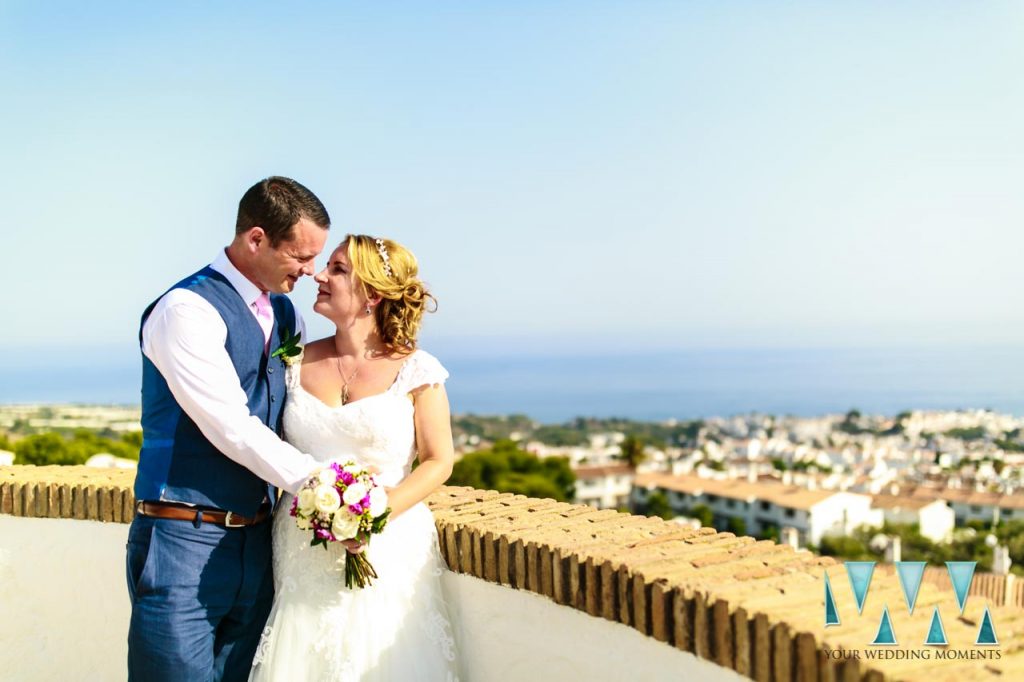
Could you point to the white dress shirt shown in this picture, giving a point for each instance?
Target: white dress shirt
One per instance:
(184, 337)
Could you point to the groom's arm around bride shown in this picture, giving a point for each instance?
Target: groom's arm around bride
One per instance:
(198, 561)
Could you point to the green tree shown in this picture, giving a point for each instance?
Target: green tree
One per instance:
(737, 525)
(657, 505)
(703, 513)
(559, 436)
(687, 432)
(632, 450)
(916, 547)
(851, 422)
(845, 547)
(53, 448)
(506, 468)
(45, 448)
(1011, 534)
(133, 439)
(1009, 445)
(967, 433)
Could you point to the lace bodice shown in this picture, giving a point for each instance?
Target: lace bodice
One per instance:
(395, 629)
(377, 430)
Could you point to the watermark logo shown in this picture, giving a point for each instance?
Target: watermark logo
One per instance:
(911, 576)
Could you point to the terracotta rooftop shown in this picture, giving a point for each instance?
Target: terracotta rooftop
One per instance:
(599, 471)
(793, 497)
(967, 496)
(899, 502)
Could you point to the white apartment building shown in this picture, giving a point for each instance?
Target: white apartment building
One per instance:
(973, 505)
(600, 451)
(940, 422)
(762, 505)
(935, 518)
(604, 487)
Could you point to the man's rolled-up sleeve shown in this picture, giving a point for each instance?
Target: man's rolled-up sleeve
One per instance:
(184, 339)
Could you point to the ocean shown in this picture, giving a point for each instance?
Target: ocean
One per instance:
(649, 385)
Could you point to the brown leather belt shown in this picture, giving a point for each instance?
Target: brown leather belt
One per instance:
(168, 510)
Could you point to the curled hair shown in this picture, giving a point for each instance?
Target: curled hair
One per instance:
(404, 296)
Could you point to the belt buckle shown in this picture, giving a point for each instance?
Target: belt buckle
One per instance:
(228, 523)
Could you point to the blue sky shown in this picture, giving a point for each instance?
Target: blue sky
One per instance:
(595, 175)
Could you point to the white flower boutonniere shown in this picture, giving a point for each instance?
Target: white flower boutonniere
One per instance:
(290, 349)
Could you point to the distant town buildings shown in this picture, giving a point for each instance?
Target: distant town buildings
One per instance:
(805, 478)
(823, 475)
(762, 508)
(969, 505)
(604, 486)
(934, 517)
(39, 417)
(795, 478)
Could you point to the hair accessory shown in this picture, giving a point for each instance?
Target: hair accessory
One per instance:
(383, 251)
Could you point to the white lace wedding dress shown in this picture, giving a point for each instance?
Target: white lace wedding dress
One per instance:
(396, 629)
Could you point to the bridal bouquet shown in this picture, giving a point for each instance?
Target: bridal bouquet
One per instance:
(343, 502)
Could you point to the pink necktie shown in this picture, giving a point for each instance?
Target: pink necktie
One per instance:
(265, 316)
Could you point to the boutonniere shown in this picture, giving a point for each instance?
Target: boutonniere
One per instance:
(290, 349)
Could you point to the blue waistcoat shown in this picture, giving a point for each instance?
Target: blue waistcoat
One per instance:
(177, 463)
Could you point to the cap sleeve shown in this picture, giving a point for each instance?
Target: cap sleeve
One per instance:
(421, 369)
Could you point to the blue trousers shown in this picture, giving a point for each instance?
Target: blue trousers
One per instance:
(201, 594)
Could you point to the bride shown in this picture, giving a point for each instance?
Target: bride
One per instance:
(368, 393)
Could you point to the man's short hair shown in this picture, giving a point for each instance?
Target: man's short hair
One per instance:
(276, 204)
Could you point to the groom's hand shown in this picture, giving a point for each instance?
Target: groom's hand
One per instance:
(354, 546)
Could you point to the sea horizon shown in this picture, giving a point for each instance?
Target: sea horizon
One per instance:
(650, 385)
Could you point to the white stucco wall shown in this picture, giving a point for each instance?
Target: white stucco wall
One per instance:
(841, 513)
(604, 492)
(63, 599)
(509, 634)
(937, 521)
(65, 613)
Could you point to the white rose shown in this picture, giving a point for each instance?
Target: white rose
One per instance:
(327, 499)
(378, 502)
(307, 501)
(352, 468)
(345, 525)
(303, 523)
(355, 493)
(327, 476)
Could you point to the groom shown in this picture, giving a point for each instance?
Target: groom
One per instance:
(198, 564)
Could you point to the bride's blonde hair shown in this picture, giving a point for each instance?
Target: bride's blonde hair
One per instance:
(389, 270)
